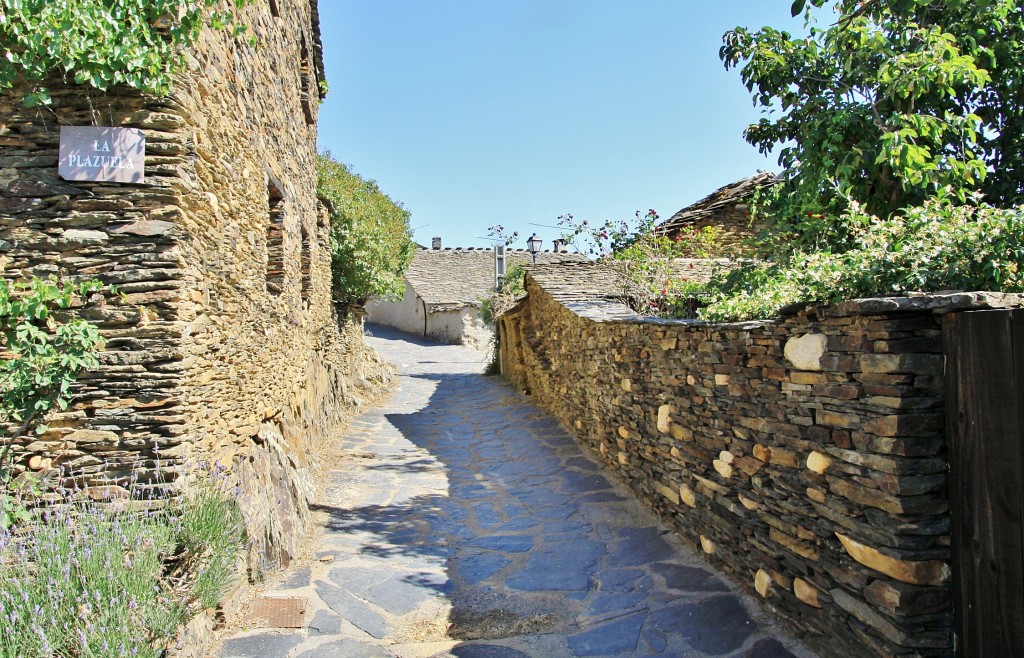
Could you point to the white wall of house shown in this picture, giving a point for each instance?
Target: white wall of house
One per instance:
(475, 333)
(445, 326)
(457, 326)
(405, 314)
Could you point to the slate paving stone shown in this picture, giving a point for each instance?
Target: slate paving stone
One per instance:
(486, 516)
(641, 546)
(505, 543)
(474, 568)
(690, 579)
(562, 566)
(657, 640)
(260, 646)
(583, 464)
(325, 623)
(516, 525)
(485, 651)
(601, 497)
(614, 602)
(353, 610)
(768, 648)
(716, 626)
(618, 580)
(298, 578)
(347, 649)
(609, 639)
(576, 482)
(556, 531)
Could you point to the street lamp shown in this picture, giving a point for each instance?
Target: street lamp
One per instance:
(533, 246)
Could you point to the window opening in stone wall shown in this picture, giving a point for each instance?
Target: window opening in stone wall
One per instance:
(274, 11)
(306, 261)
(309, 94)
(275, 238)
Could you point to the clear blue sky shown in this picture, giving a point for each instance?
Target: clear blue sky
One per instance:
(512, 112)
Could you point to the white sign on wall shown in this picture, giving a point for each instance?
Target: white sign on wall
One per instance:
(89, 153)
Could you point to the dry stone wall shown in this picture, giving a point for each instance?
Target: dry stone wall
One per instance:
(804, 456)
(223, 348)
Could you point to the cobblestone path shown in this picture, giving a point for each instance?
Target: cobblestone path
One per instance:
(464, 522)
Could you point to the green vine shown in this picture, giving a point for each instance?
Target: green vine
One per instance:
(103, 43)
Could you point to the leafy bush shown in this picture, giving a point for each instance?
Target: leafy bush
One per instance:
(93, 578)
(41, 355)
(937, 246)
(371, 243)
(138, 43)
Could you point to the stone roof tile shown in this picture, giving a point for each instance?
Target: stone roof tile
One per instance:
(738, 192)
(459, 277)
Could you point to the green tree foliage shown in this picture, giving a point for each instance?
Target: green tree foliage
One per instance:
(891, 102)
(901, 129)
(371, 243)
(102, 43)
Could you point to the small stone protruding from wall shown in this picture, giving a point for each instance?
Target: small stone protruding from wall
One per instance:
(924, 572)
(805, 352)
(665, 418)
(806, 592)
(818, 462)
(763, 583)
(687, 496)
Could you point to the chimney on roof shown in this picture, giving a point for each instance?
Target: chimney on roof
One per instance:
(560, 245)
(435, 243)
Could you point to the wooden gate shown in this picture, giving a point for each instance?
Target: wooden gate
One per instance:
(985, 428)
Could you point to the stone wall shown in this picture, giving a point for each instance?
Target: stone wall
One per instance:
(804, 456)
(224, 347)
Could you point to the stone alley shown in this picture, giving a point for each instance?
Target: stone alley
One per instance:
(463, 521)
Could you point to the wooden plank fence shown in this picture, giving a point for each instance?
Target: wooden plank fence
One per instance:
(985, 426)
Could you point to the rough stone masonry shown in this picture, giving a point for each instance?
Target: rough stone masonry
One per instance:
(804, 456)
(223, 347)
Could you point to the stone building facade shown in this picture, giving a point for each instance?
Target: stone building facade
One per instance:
(223, 347)
(444, 290)
(804, 456)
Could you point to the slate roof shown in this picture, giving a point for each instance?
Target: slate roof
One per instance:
(739, 192)
(585, 281)
(454, 278)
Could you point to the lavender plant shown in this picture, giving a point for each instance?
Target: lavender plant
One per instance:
(100, 579)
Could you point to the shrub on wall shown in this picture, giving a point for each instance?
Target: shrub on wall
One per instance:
(41, 354)
(937, 246)
(371, 243)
